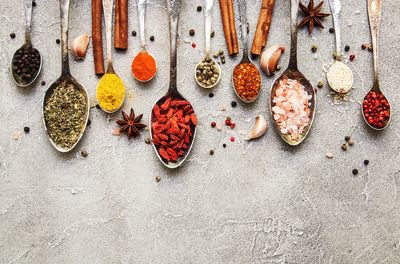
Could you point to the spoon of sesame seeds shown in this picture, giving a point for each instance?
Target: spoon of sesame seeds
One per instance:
(339, 75)
(293, 117)
(376, 108)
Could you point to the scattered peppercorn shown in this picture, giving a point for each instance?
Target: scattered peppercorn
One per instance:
(347, 48)
(212, 34)
(347, 138)
(12, 35)
(355, 171)
(332, 30)
(320, 84)
(224, 145)
(352, 57)
(43, 83)
(89, 122)
(27, 129)
(84, 153)
(213, 124)
(191, 32)
(211, 152)
(344, 147)
(228, 122)
(233, 104)
(363, 46)
(147, 141)
(232, 125)
(232, 139)
(210, 95)
(134, 33)
(58, 41)
(366, 162)
(33, 3)
(152, 38)
(314, 48)
(158, 178)
(370, 49)
(194, 45)
(199, 8)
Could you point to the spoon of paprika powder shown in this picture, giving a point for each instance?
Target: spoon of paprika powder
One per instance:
(171, 111)
(375, 107)
(144, 65)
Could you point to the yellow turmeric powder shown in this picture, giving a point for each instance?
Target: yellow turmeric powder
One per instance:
(110, 92)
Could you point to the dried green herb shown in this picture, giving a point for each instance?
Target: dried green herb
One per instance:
(65, 114)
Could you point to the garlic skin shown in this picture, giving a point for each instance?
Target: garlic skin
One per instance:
(79, 46)
(270, 58)
(259, 128)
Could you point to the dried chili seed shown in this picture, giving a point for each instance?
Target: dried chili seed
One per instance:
(147, 140)
(320, 84)
(212, 34)
(370, 49)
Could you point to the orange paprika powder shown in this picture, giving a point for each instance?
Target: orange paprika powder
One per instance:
(144, 66)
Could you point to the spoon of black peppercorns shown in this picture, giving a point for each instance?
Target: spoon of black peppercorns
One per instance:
(26, 62)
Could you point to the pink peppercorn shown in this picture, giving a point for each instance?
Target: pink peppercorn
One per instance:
(352, 57)
(213, 124)
(232, 125)
(228, 122)
(194, 45)
(232, 139)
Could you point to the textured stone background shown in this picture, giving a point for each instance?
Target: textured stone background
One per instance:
(257, 202)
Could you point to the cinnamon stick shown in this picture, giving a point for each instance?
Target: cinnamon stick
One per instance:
(97, 40)
(228, 22)
(121, 24)
(263, 26)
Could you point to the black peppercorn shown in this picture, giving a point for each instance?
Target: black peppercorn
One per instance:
(355, 171)
(89, 122)
(211, 152)
(152, 38)
(27, 129)
(134, 33)
(370, 49)
(84, 153)
(211, 95)
(314, 48)
(199, 8)
(191, 32)
(58, 41)
(347, 48)
(331, 30)
(366, 162)
(233, 104)
(12, 35)
(363, 46)
(347, 138)
(224, 145)
(43, 83)
(212, 34)
(33, 3)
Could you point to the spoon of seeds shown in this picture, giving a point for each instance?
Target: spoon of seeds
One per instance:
(246, 77)
(299, 85)
(26, 62)
(66, 102)
(376, 107)
(137, 74)
(170, 113)
(110, 84)
(339, 75)
(208, 72)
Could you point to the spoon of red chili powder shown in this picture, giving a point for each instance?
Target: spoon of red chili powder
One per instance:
(375, 107)
(144, 65)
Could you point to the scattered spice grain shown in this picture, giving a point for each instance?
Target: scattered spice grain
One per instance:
(84, 153)
(314, 48)
(191, 32)
(12, 35)
(134, 33)
(347, 48)
(58, 41)
(26, 129)
(233, 104)
(43, 83)
(355, 172)
(366, 162)
(344, 147)
(199, 8)
(347, 138)
(158, 178)
(211, 152)
(211, 95)
(152, 38)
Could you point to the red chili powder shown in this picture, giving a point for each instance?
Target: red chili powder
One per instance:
(144, 66)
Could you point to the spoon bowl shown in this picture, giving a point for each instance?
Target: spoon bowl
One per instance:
(17, 78)
(219, 75)
(155, 61)
(246, 60)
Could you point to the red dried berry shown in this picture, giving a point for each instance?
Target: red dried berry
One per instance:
(213, 124)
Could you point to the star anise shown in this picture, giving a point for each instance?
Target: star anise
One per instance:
(130, 124)
(312, 15)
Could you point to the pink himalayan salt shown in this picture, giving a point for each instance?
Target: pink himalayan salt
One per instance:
(291, 109)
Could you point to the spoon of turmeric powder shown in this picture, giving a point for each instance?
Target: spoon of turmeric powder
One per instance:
(144, 65)
(110, 91)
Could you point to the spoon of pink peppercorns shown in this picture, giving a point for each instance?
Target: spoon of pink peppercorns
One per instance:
(375, 107)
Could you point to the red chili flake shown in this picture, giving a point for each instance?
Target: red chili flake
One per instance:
(352, 57)
(194, 45)
(213, 124)
(232, 139)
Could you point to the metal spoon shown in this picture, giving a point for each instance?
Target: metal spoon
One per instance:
(374, 13)
(333, 79)
(173, 8)
(141, 5)
(293, 73)
(208, 7)
(66, 77)
(246, 58)
(108, 10)
(28, 19)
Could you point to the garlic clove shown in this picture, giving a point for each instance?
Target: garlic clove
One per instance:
(79, 46)
(259, 128)
(270, 58)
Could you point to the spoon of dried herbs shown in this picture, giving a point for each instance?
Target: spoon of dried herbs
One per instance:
(66, 102)
(26, 62)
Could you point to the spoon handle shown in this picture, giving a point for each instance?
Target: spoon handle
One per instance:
(64, 14)
(108, 10)
(374, 13)
(336, 8)
(141, 5)
(294, 11)
(243, 26)
(173, 9)
(28, 21)
(208, 7)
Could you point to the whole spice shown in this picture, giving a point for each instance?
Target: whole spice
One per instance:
(344, 147)
(26, 63)
(199, 8)
(207, 72)
(151, 38)
(247, 81)
(134, 33)
(172, 127)
(228, 23)
(191, 32)
(263, 26)
(12, 35)
(121, 24)
(259, 128)
(376, 109)
(366, 162)
(65, 114)
(79, 46)
(312, 15)
(270, 59)
(144, 66)
(27, 129)
(291, 108)
(84, 153)
(233, 104)
(110, 92)
(97, 41)
(130, 124)
(355, 172)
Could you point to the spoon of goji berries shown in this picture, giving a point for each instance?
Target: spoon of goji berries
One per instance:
(173, 121)
(375, 107)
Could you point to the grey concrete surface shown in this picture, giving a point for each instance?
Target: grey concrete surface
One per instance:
(252, 202)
